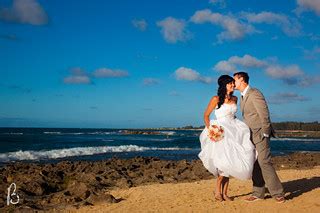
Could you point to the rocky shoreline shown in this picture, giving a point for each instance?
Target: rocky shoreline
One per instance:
(57, 186)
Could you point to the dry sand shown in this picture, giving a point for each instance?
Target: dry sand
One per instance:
(302, 192)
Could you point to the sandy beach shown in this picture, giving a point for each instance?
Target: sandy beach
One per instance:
(302, 191)
(149, 184)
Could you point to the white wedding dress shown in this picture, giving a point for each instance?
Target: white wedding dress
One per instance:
(234, 155)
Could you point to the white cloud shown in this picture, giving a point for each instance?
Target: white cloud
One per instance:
(225, 66)
(289, 26)
(307, 81)
(24, 12)
(289, 97)
(188, 74)
(231, 64)
(205, 79)
(109, 73)
(219, 3)
(78, 76)
(287, 72)
(290, 74)
(313, 37)
(308, 5)
(312, 54)
(77, 80)
(234, 28)
(247, 61)
(174, 30)
(140, 24)
(77, 71)
(150, 81)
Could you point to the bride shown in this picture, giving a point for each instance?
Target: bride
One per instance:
(234, 154)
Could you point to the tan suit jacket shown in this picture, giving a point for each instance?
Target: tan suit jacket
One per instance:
(255, 114)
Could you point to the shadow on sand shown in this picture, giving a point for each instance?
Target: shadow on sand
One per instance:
(295, 188)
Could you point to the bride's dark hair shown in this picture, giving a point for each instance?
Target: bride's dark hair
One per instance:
(222, 90)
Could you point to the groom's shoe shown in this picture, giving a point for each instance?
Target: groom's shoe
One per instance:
(252, 199)
(280, 199)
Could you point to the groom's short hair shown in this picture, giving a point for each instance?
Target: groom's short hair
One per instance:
(244, 75)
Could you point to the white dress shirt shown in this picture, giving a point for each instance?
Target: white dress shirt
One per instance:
(243, 93)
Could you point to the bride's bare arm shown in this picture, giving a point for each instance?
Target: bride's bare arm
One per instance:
(212, 104)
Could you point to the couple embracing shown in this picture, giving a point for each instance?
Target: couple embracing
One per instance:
(243, 152)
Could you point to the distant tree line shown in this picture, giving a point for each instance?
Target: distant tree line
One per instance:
(289, 125)
(312, 126)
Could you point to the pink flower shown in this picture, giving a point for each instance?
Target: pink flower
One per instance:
(215, 132)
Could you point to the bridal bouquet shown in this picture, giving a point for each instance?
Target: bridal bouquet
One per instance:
(215, 132)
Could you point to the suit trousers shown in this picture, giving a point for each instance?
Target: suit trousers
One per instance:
(264, 173)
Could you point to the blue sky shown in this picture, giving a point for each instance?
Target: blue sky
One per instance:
(132, 64)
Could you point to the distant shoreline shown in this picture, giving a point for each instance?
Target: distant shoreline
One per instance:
(297, 134)
(279, 133)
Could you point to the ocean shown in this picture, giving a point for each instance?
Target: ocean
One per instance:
(56, 144)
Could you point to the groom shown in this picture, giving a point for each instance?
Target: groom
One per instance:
(256, 115)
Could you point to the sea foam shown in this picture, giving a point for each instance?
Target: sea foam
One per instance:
(77, 151)
(297, 139)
